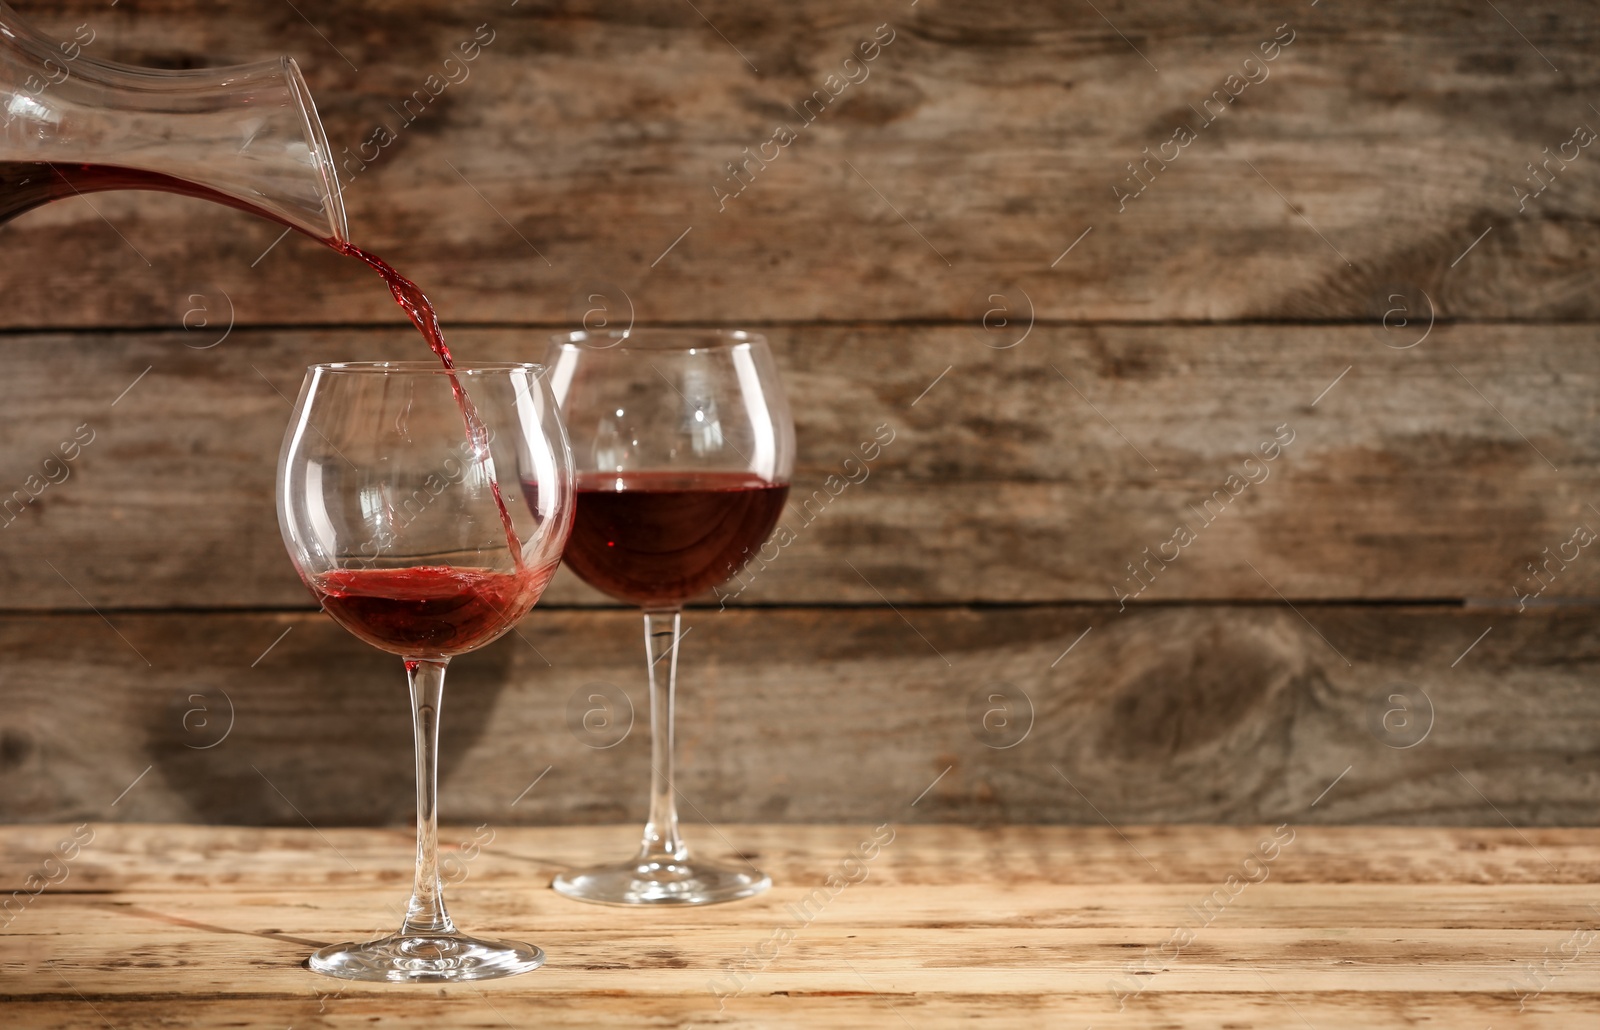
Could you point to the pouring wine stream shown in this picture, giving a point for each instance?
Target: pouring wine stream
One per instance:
(25, 185)
(420, 310)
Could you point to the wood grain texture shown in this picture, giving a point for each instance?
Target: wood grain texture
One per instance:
(983, 142)
(1021, 475)
(1217, 713)
(1016, 926)
(1057, 412)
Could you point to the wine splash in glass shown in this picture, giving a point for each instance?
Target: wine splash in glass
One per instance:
(684, 448)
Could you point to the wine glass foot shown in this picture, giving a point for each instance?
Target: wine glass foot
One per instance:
(426, 958)
(654, 882)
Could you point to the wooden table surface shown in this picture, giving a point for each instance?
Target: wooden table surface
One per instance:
(1015, 926)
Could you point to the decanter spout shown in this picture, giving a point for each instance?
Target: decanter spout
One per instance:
(248, 136)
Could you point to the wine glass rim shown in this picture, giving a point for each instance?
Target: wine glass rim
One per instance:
(414, 368)
(660, 338)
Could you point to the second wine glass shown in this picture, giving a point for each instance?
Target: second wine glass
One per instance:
(684, 446)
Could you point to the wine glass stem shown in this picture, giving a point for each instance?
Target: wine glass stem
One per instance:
(426, 912)
(661, 840)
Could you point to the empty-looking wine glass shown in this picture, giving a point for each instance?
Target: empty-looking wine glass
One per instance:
(684, 447)
(390, 504)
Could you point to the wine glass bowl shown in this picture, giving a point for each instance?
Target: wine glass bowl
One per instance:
(684, 447)
(390, 505)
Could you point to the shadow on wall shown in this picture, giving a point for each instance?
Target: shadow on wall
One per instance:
(224, 752)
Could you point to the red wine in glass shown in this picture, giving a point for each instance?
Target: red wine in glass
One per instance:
(442, 585)
(657, 539)
(429, 611)
(698, 420)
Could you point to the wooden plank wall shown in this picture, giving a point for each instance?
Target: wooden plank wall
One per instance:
(1073, 361)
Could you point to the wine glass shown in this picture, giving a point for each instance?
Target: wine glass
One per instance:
(684, 446)
(390, 506)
